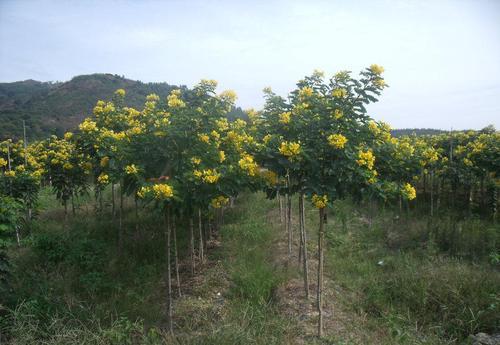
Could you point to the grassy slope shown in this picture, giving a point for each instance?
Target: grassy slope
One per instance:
(76, 288)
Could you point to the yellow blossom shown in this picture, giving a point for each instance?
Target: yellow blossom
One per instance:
(103, 178)
(120, 93)
(408, 191)
(88, 126)
(10, 173)
(141, 193)
(228, 96)
(285, 117)
(248, 164)
(174, 101)
(203, 137)
(306, 92)
(319, 201)
(68, 135)
(376, 69)
(289, 149)
(162, 191)
(366, 158)
(131, 169)
(3, 162)
(337, 140)
(219, 201)
(266, 138)
(339, 93)
(68, 166)
(195, 160)
(338, 113)
(222, 156)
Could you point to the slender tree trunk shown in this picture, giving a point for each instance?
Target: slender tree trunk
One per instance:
(432, 193)
(191, 244)
(168, 274)
(303, 234)
(289, 222)
(18, 237)
(319, 289)
(73, 205)
(280, 202)
(120, 222)
(438, 196)
(200, 229)
(176, 257)
(113, 209)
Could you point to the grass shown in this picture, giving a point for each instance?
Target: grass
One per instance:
(421, 282)
(419, 290)
(70, 284)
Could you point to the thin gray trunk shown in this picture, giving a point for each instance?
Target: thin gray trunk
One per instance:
(319, 289)
(191, 244)
(303, 240)
(200, 229)
(176, 257)
(169, 275)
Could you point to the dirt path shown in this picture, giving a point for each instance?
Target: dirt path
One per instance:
(340, 323)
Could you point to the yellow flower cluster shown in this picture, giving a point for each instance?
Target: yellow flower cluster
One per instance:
(195, 160)
(174, 101)
(319, 201)
(219, 201)
(68, 136)
(289, 149)
(337, 140)
(372, 125)
(366, 158)
(376, 69)
(222, 156)
(162, 191)
(339, 93)
(468, 162)
(141, 193)
(408, 192)
(285, 117)
(120, 93)
(103, 178)
(228, 96)
(306, 92)
(204, 138)
(131, 169)
(207, 176)
(152, 97)
(3, 162)
(338, 113)
(67, 166)
(222, 124)
(88, 126)
(248, 164)
(10, 173)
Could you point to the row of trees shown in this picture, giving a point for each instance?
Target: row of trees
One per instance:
(183, 157)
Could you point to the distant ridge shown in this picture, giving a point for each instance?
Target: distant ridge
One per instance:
(55, 107)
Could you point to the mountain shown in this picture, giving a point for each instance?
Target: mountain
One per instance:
(416, 131)
(55, 107)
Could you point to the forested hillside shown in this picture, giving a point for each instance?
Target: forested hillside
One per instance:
(54, 107)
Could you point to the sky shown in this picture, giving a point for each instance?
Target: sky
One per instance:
(442, 58)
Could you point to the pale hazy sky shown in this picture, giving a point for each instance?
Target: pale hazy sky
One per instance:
(442, 58)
